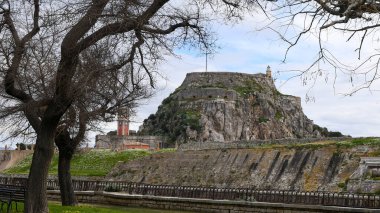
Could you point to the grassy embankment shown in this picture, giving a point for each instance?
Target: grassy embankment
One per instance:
(90, 163)
(349, 143)
(100, 162)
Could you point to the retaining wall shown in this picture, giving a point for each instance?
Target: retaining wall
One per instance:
(198, 205)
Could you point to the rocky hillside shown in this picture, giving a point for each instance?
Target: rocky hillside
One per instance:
(316, 166)
(221, 106)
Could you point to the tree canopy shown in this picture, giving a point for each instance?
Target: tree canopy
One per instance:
(356, 22)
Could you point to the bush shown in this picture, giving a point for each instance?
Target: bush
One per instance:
(263, 120)
(335, 134)
(278, 116)
(326, 133)
(152, 117)
(21, 146)
(112, 132)
(29, 146)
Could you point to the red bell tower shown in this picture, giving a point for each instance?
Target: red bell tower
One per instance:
(123, 122)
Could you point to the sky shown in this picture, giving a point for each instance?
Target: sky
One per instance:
(244, 48)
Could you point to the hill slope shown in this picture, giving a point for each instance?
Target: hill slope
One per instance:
(86, 163)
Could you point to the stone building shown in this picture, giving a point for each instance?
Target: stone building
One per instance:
(366, 177)
(123, 139)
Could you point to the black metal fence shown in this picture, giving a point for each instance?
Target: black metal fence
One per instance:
(242, 194)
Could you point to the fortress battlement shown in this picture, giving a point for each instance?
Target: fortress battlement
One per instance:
(224, 79)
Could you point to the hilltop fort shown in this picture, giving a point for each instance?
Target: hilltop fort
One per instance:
(226, 106)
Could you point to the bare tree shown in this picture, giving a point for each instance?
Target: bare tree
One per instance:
(140, 34)
(94, 104)
(99, 95)
(357, 21)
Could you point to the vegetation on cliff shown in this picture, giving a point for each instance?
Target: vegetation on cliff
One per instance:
(173, 121)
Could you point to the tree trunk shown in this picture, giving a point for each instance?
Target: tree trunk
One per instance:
(36, 199)
(66, 147)
(64, 175)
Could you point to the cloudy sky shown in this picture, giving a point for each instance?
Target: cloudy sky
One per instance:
(245, 48)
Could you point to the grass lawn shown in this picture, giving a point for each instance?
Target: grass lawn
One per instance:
(56, 207)
(370, 141)
(91, 163)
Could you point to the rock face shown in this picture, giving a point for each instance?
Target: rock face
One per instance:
(221, 106)
(308, 169)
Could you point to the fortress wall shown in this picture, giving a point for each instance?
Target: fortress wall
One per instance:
(293, 99)
(206, 93)
(227, 79)
(103, 142)
(115, 142)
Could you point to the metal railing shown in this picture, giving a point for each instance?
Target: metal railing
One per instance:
(240, 194)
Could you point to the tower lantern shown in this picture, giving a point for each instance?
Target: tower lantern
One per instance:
(123, 122)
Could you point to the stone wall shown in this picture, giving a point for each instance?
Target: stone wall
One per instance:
(250, 144)
(198, 205)
(227, 79)
(207, 93)
(116, 142)
(363, 186)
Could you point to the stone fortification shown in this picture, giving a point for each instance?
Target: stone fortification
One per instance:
(223, 79)
(224, 106)
(115, 142)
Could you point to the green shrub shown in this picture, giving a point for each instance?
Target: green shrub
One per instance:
(21, 146)
(342, 185)
(334, 134)
(249, 87)
(377, 192)
(263, 120)
(167, 100)
(278, 115)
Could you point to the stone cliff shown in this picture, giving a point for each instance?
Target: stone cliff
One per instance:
(318, 166)
(222, 106)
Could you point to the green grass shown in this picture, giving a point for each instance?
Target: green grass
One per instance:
(359, 141)
(166, 150)
(370, 141)
(92, 163)
(55, 207)
(248, 88)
